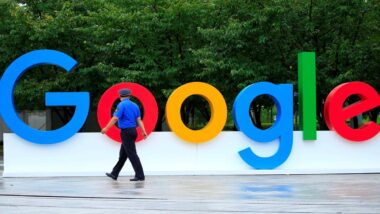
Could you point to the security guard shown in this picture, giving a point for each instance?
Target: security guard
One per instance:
(128, 116)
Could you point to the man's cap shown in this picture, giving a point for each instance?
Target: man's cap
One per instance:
(124, 92)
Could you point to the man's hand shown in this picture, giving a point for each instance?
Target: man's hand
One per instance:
(109, 125)
(141, 125)
(144, 135)
(104, 130)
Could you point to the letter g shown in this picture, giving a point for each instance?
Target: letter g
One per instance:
(80, 100)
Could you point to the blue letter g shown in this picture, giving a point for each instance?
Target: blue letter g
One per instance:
(80, 100)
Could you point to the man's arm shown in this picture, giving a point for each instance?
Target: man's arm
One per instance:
(141, 125)
(110, 124)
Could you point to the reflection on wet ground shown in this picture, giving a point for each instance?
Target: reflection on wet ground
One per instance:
(344, 193)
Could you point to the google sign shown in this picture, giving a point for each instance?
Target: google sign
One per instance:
(336, 114)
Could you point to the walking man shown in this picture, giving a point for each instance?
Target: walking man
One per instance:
(128, 116)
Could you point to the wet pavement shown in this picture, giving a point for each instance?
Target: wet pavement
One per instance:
(340, 193)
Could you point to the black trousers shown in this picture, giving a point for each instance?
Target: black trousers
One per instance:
(128, 150)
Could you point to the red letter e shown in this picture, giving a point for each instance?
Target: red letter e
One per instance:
(336, 115)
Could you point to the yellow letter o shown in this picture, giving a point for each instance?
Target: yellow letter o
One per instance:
(218, 109)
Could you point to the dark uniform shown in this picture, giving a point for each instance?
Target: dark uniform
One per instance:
(127, 113)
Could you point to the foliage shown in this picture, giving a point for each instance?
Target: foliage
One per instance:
(164, 44)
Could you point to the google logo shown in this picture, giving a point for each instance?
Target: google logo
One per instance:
(335, 112)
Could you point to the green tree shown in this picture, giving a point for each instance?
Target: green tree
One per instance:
(164, 44)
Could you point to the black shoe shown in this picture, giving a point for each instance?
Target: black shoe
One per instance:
(137, 179)
(111, 176)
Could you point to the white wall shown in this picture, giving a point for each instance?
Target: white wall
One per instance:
(92, 154)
